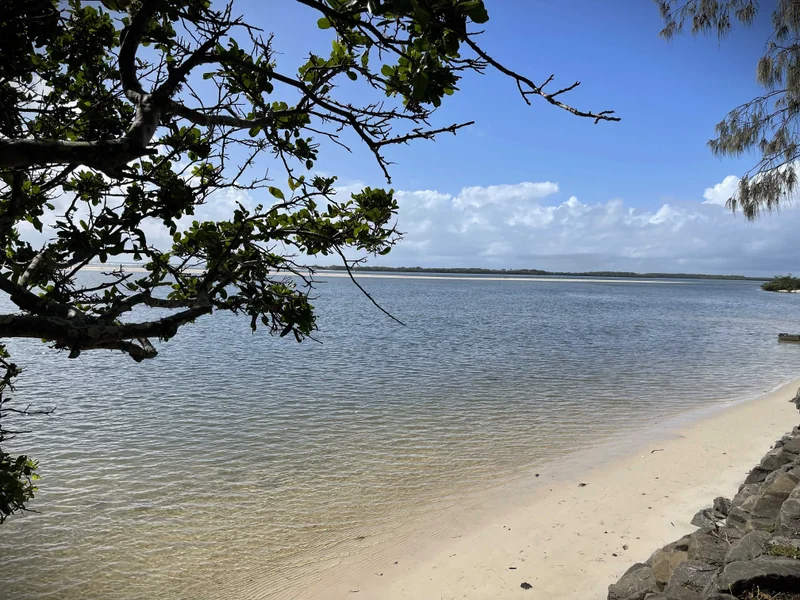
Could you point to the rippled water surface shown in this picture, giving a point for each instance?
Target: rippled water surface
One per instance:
(233, 461)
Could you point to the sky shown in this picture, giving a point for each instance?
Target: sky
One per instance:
(535, 187)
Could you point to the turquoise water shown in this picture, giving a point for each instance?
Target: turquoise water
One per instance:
(234, 462)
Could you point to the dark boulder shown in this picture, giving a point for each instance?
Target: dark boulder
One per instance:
(635, 584)
(775, 459)
(689, 579)
(704, 518)
(792, 444)
(765, 572)
(742, 505)
(708, 546)
(756, 475)
(774, 492)
(788, 520)
(722, 506)
(664, 561)
(748, 547)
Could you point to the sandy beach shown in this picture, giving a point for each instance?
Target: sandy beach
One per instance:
(573, 529)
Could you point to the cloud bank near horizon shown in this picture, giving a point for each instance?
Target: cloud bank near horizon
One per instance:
(531, 225)
(525, 225)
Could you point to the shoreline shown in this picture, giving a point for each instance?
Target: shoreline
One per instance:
(565, 539)
(362, 275)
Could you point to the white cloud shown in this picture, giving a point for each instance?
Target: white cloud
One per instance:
(527, 225)
(720, 193)
(518, 226)
(478, 197)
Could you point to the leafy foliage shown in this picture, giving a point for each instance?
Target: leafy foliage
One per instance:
(120, 118)
(782, 283)
(767, 124)
(17, 473)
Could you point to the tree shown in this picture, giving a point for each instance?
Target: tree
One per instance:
(767, 124)
(124, 115)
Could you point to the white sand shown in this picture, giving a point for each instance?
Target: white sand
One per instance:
(562, 538)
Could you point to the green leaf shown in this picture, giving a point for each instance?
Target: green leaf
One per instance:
(277, 193)
(324, 23)
(387, 70)
(352, 75)
(420, 85)
(475, 10)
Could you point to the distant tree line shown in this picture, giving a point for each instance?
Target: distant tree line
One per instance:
(481, 271)
(782, 283)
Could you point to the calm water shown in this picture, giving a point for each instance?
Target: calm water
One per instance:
(233, 460)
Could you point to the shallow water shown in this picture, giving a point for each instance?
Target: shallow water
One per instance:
(235, 461)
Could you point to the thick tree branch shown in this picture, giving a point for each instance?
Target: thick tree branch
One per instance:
(131, 39)
(30, 152)
(76, 337)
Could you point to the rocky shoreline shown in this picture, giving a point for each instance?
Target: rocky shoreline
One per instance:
(747, 548)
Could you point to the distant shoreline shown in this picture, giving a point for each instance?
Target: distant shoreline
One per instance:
(539, 272)
(367, 275)
(527, 274)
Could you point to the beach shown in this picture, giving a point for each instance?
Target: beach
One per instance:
(580, 523)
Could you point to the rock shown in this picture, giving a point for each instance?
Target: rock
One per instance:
(665, 560)
(720, 597)
(737, 518)
(746, 496)
(707, 547)
(722, 506)
(775, 459)
(704, 518)
(689, 579)
(788, 520)
(747, 548)
(765, 572)
(681, 544)
(792, 444)
(635, 584)
(771, 499)
(742, 504)
(756, 475)
(790, 468)
(658, 596)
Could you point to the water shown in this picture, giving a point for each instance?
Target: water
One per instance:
(234, 462)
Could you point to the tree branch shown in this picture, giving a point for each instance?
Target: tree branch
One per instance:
(605, 115)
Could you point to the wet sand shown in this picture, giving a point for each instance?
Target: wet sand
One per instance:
(573, 529)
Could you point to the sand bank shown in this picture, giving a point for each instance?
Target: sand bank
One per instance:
(575, 528)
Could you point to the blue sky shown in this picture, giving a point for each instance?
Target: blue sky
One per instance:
(533, 186)
(536, 187)
(669, 95)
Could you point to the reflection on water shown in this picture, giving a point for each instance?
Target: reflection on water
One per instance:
(234, 460)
